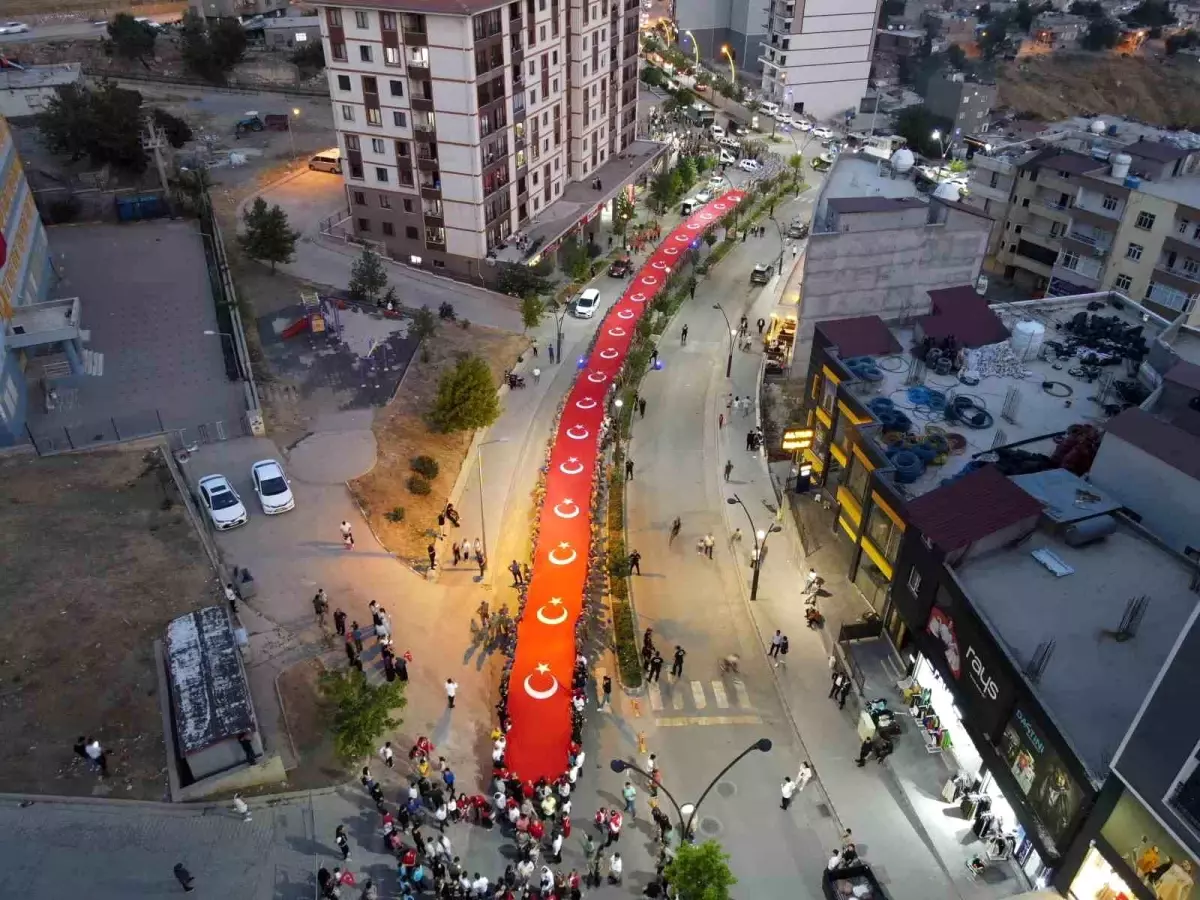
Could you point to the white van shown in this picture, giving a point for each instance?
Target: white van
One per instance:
(769, 109)
(727, 158)
(327, 161)
(689, 206)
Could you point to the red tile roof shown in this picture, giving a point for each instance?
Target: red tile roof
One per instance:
(961, 312)
(971, 508)
(859, 336)
(1162, 440)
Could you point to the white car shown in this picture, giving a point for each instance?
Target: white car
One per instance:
(727, 158)
(731, 142)
(703, 197)
(587, 304)
(14, 28)
(716, 184)
(717, 131)
(822, 133)
(221, 501)
(272, 487)
(801, 123)
(749, 165)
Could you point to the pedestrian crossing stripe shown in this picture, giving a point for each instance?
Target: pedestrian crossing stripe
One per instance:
(719, 695)
(699, 694)
(743, 696)
(681, 721)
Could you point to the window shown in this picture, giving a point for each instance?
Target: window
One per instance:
(857, 478)
(1123, 282)
(388, 229)
(914, 580)
(360, 199)
(384, 202)
(352, 143)
(364, 53)
(370, 85)
(364, 224)
(828, 396)
(1190, 266)
(356, 170)
(995, 179)
(406, 177)
(343, 82)
(1057, 229)
(360, 19)
(883, 533)
(381, 174)
(554, 58)
(376, 145)
(1182, 226)
(338, 50)
(1145, 221)
(1134, 252)
(408, 206)
(396, 86)
(1110, 202)
(411, 233)
(335, 17)
(347, 112)
(399, 119)
(402, 149)
(387, 21)
(438, 264)
(391, 56)
(374, 117)
(1069, 260)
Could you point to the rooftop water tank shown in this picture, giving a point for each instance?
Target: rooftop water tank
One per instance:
(1098, 127)
(1027, 339)
(903, 160)
(1089, 531)
(1120, 165)
(951, 193)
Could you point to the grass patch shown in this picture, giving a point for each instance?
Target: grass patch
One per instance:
(624, 631)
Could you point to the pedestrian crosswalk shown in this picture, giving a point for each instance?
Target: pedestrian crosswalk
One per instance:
(700, 703)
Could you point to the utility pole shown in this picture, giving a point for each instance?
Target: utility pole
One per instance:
(154, 141)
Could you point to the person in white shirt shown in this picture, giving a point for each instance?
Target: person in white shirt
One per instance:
(451, 692)
(615, 868)
(787, 789)
(479, 886)
(387, 754)
(556, 846)
(525, 870)
(240, 807)
(804, 776)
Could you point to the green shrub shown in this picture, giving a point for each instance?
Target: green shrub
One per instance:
(425, 465)
(395, 514)
(624, 630)
(418, 485)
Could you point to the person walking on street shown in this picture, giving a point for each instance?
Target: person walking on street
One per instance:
(356, 635)
(320, 606)
(842, 692)
(804, 776)
(812, 582)
(515, 568)
(441, 520)
(629, 795)
(709, 543)
(835, 683)
(432, 551)
(97, 755)
(642, 407)
(776, 641)
(185, 878)
(675, 526)
(347, 535)
(339, 622)
(451, 692)
(456, 552)
(683, 336)
(781, 656)
(728, 468)
(677, 663)
(656, 664)
(635, 562)
(241, 808)
(787, 789)
(388, 755)
(762, 323)
(628, 469)
(605, 692)
(482, 561)
(343, 842)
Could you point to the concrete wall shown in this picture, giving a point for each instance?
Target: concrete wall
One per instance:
(1164, 497)
(886, 273)
(1140, 271)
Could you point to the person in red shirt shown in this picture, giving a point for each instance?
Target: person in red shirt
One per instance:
(602, 819)
(528, 790)
(614, 827)
(566, 826)
(537, 830)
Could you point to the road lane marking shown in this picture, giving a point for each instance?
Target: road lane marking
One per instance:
(698, 697)
(743, 696)
(676, 698)
(719, 696)
(682, 721)
(655, 697)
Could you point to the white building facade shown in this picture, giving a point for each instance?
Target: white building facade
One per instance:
(816, 58)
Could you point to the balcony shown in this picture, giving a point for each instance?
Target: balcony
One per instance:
(428, 163)
(1093, 206)
(984, 189)
(431, 188)
(1169, 297)
(1087, 242)
(415, 38)
(1183, 277)
(1072, 267)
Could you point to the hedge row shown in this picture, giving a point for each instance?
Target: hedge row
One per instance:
(628, 654)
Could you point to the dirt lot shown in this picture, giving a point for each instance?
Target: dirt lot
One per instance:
(94, 568)
(401, 434)
(49, 10)
(319, 765)
(1053, 87)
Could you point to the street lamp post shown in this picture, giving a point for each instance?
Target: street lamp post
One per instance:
(559, 318)
(232, 347)
(729, 358)
(762, 745)
(760, 542)
(695, 47)
(292, 137)
(945, 146)
(617, 405)
(482, 512)
(728, 54)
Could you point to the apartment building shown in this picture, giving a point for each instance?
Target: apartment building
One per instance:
(1126, 220)
(462, 122)
(965, 104)
(713, 24)
(816, 58)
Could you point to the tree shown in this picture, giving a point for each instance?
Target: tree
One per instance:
(177, 131)
(983, 12)
(517, 280)
(130, 38)
(1150, 14)
(686, 170)
(1102, 34)
(916, 125)
(424, 324)
(266, 235)
(103, 123)
(957, 57)
(684, 97)
(310, 56)
(624, 210)
(653, 76)
(359, 712)
(710, 238)
(992, 38)
(1089, 9)
(700, 872)
(466, 397)
(1177, 42)
(227, 40)
(796, 164)
(1023, 16)
(533, 308)
(662, 190)
(211, 52)
(575, 259)
(368, 277)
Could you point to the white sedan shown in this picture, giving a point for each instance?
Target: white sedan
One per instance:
(586, 305)
(802, 124)
(822, 133)
(749, 165)
(717, 131)
(221, 502)
(13, 28)
(272, 487)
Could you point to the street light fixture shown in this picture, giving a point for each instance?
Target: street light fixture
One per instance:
(695, 46)
(291, 137)
(729, 358)
(728, 54)
(559, 317)
(482, 513)
(686, 819)
(760, 542)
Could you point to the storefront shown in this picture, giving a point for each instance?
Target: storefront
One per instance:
(1098, 880)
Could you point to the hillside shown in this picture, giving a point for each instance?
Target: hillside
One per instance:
(1054, 87)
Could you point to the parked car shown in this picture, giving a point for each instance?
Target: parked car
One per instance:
(702, 196)
(14, 28)
(717, 183)
(822, 163)
(730, 142)
(717, 131)
(801, 123)
(222, 503)
(271, 485)
(798, 231)
(620, 267)
(822, 133)
(726, 158)
(749, 165)
(586, 304)
(762, 274)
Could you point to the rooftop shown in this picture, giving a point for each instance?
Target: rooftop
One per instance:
(859, 336)
(40, 76)
(1163, 440)
(859, 176)
(975, 506)
(209, 693)
(991, 391)
(1093, 682)
(444, 7)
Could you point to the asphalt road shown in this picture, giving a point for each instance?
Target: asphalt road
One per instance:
(70, 31)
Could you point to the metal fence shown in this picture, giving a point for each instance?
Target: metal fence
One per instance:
(50, 439)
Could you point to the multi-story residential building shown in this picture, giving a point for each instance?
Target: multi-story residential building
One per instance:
(462, 122)
(239, 9)
(1122, 217)
(964, 104)
(816, 57)
(713, 24)
(1058, 30)
(1029, 566)
(878, 246)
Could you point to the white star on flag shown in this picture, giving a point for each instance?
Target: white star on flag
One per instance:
(543, 669)
(572, 459)
(555, 601)
(564, 545)
(569, 500)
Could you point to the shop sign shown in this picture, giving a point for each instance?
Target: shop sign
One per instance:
(797, 439)
(1051, 793)
(974, 666)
